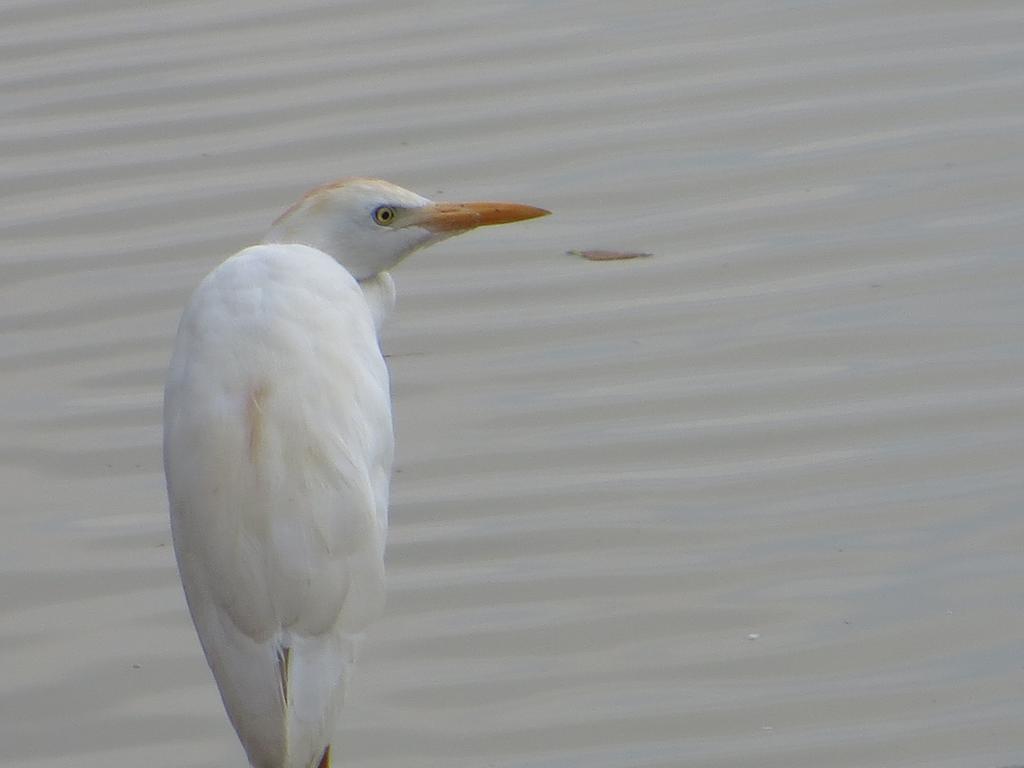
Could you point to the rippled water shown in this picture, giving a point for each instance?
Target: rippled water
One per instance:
(753, 501)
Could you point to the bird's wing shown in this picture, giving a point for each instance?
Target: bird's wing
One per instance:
(278, 448)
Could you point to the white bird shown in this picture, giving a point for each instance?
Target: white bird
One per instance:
(278, 448)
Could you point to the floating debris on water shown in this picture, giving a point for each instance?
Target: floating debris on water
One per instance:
(604, 255)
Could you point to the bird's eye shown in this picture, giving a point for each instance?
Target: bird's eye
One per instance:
(384, 215)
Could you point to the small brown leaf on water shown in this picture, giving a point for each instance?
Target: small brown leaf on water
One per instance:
(601, 255)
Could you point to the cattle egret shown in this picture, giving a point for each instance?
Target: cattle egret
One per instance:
(277, 451)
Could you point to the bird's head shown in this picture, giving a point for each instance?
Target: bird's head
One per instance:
(369, 225)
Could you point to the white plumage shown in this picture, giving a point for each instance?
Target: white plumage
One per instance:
(278, 448)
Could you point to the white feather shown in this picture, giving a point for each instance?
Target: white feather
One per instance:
(284, 549)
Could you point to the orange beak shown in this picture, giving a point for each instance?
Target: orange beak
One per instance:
(459, 217)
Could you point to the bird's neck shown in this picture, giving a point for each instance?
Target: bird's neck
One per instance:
(379, 292)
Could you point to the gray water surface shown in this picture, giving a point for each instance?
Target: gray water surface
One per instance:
(755, 500)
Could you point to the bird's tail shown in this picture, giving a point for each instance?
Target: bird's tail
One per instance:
(314, 674)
